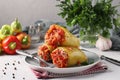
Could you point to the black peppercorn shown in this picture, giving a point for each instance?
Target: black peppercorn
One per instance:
(3, 70)
(7, 63)
(18, 62)
(13, 77)
(23, 78)
(4, 73)
(13, 74)
(13, 64)
(5, 67)
(15, 68)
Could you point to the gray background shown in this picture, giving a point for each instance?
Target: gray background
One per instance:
(29, 11)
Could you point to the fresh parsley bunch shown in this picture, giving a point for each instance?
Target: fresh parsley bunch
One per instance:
(97, 18)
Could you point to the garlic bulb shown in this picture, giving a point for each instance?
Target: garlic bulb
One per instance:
(103, 43)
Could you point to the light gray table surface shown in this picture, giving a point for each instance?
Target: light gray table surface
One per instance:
(15, 66)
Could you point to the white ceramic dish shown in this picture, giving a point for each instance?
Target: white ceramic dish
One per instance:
(92, 57)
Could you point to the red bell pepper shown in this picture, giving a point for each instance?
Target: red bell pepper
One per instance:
(11, 44)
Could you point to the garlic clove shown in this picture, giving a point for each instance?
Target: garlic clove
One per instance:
(103, 43)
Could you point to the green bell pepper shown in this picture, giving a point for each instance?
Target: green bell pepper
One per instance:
(5, 31)
(16, 27)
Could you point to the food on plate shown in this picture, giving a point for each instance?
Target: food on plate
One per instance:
(10, 44)
(44, 51)
(16, 27)
(61, 47)
(24, 39)
(68, 56)
(5, 31)
(60, 36)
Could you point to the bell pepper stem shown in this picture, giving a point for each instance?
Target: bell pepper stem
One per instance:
(25, 40)
(12, 45)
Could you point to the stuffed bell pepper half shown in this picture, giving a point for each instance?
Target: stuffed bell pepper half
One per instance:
(68, 56)
(60, 36)
(44, 51)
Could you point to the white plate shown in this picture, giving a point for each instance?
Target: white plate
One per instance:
(92, 57)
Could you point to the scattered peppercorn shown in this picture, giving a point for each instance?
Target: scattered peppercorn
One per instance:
(13, 74)
(3, 70)
(13, 77)
(13, 64)
(18, 62)
(5, 67)
(7, 63)
(15, 68)
(4, 73)
(23, 78)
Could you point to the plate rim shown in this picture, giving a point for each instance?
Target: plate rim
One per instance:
(60, 70)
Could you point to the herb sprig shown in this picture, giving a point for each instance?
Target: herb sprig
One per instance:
(97, 18)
